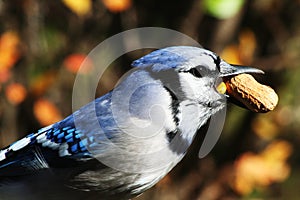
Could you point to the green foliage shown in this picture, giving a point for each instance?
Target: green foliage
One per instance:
(222, 9)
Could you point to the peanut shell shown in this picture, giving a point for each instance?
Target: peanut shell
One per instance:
(255, 96)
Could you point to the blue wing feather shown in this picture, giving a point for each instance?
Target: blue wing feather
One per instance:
(60, 142)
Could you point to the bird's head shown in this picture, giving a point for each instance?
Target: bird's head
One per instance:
(193, 74)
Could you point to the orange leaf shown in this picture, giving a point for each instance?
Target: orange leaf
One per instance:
(231, 54)
(46, 112)
(9, 40)
(265, 128)
(79, 7)
(15, 93)
(74, 61)
(42, 82)
(4, 75)
(9, 50)
(117, 5)
(259, 170)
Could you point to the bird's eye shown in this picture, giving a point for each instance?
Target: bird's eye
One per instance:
(195, 72)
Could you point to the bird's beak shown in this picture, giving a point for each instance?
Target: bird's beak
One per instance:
(229, 70)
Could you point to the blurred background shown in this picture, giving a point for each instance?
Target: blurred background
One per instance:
(42, 44)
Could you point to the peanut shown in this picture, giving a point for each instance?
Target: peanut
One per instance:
(255, 96)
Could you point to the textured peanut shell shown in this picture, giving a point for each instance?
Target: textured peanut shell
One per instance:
(255, 96)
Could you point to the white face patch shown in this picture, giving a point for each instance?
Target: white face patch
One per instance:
(193, 87)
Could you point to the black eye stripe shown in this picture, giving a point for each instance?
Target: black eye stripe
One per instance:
(198, 71)
(195, 72)
(218, 62)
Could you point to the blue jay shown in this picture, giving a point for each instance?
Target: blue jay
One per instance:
(143, 128)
